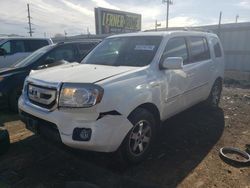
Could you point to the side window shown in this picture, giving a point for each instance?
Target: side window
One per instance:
(176, 47)
(62, 53)
(217, 48)
(85, 48)
(199, 49)
(33, 45)
(17, 46)
(6, 47)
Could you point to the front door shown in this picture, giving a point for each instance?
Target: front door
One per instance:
(175, 81)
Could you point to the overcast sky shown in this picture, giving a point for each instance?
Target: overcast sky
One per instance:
(74, 16)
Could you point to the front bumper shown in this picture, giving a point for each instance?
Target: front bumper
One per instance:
(107, 135)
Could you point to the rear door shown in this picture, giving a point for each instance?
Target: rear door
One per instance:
(200, 66)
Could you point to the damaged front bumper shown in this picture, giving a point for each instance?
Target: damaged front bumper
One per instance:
(106, 131)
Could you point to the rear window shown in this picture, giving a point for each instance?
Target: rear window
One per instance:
(33, 45)
(199, 49)
(217, 48)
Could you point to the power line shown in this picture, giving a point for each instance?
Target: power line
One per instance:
(30, 29)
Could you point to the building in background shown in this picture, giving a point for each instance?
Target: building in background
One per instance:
(110, 21)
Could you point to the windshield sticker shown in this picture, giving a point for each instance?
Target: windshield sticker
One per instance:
(145, 47)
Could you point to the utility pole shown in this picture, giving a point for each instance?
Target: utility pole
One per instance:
(30, 29)
(219, 26)
(169, 2)
(236, 18)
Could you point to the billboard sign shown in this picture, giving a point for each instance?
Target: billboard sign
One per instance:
(110, 21)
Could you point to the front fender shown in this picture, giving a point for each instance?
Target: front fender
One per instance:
(127, 97)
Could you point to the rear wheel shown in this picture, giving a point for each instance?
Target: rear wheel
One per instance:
(139, 140)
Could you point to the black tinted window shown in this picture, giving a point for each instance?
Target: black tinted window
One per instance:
(62, 53)
(17, 46)
(84, 48)
(33, 45)
(176, 47)
(199, 49)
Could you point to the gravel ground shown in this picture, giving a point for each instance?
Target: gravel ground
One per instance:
(185, 155)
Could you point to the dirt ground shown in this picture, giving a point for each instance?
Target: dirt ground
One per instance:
(185, 155)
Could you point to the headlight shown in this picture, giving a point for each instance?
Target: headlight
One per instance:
(80, 95)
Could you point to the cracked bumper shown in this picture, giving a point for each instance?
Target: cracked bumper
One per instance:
(108, 132)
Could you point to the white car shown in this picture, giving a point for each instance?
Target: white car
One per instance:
(118, 96)
(15, 49)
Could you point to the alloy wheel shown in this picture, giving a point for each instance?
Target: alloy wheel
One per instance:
(140, 138)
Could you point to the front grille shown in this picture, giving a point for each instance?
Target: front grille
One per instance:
(41, 96)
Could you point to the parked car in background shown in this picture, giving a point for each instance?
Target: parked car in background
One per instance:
(16, 49)
(12, 78)
(116, 99)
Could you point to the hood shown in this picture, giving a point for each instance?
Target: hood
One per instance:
(79, 73)
(5, 71)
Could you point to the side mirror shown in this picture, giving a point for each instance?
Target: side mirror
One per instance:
(2, 52)
(172, 63)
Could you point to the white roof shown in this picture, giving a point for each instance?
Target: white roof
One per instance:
(164, 33)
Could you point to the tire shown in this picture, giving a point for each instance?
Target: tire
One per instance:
(4, 141)
(214, 97)
(138, 142)
(13, 101)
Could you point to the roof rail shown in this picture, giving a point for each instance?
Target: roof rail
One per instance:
(197, 29)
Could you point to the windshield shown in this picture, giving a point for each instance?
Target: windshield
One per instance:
(33, 57)
(134, 51)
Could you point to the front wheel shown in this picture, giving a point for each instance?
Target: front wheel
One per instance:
(139, 140)
(215, 94)
(13, 100)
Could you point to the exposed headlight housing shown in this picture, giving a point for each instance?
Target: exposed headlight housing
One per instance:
(77, 95)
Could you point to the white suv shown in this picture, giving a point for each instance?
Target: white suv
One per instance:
(118, 96)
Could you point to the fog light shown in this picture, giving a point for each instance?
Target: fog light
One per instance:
(81, 134)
